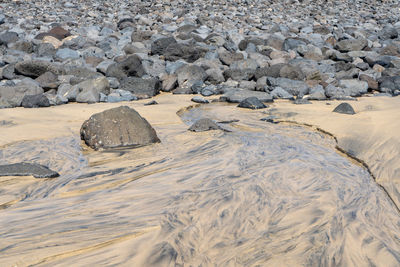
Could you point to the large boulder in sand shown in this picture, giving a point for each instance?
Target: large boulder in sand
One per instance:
(117, 127)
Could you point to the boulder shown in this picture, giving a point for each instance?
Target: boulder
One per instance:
(344, 108)
(189, 74)
(27, 169)
(160, 45)
(354, 87)
(348, 45)
(35, 101)
(35, 68)
(89, 90)
(130, 67)
(117, 127)
(251, 103)
(11, 96)
(141, 87)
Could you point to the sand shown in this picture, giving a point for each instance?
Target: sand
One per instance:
(263, 194)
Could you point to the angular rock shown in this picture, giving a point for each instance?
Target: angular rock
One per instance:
(117, 127)
(354, 87)
(159, 46)
(200, 100)
(130, 67)
(27, 169)
(348, 45)
(35, 101)
(11, 96)
(141, 87)
(252, 103)
(35, 68)
(189, 74)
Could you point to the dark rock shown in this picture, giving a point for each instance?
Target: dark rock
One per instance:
(228, 58)
(141, 87)
(344, 108)
(35, 68)
(189, 53)
(130, 67)
(281, 93)
(203, 125)
(388, 32)
(56, 32)
(152, 102)
(273, 71)
(35, 101)
(117, 127)
(252, 103)
(159, 46)
(27, 169)
(48, 80)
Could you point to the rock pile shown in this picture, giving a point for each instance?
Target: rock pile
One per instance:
(111, 51)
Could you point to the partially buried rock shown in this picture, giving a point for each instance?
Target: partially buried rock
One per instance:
(27, 169)
(200, 100)
(345, 108)
(117, 127)
(203, 125)
(252, 103)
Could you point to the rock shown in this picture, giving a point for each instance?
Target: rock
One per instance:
(11, 96)
(291, 72)
(238, 95)
(334, 92)
(293, 87)
(189, 74)
(280, 93)
(199, 99)
(351, 45)
(301, 101)
(388, 32)
(141, 87)
(251, 103)
(66, 53)
(68, 92)
(120, 95)
(89, 90)
(203, 125)
(27, 169)
(35, 68)
(159, 46)
(130, 67)
(354, 87)
(152, 102)
(228, 58)
(117, 127)
(35, 101)
(169, 82)
(56, 32)
(48, 80)
(8, 38)
(317, 93)
(187, 52)
(344, 108)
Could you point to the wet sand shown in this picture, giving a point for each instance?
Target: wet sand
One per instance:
(261, 195)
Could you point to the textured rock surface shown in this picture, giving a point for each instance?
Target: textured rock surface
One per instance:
(117, 127)
(27, 169)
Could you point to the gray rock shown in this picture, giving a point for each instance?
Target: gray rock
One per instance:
(238, 95)
(317, 93)
(8, 38)
(159, 46)
(68, 92)
(141, 87)
(189, 53)
(169, 82)
(65, 53)
(45, 50)
(388, 32)
(199, 99)
(189, 74)
(8, 71)
(11, 96)
(117, 127)
(35, 68)
(351, 45)
(35, 101)
(48, 80)
(280, 93)
(354, 87)
(293, 87)
(152, 102)
(27, 169)
(334, 92)
(89, 90)
(120, 95)
(252, 103)
(203, 125)
(344, 108)
(301, 101)
(130, 67)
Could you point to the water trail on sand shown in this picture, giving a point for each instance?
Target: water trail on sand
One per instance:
(260, 195)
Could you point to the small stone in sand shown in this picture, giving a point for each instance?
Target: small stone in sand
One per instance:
(344, 108)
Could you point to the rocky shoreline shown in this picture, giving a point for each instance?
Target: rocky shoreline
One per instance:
(53, 53)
